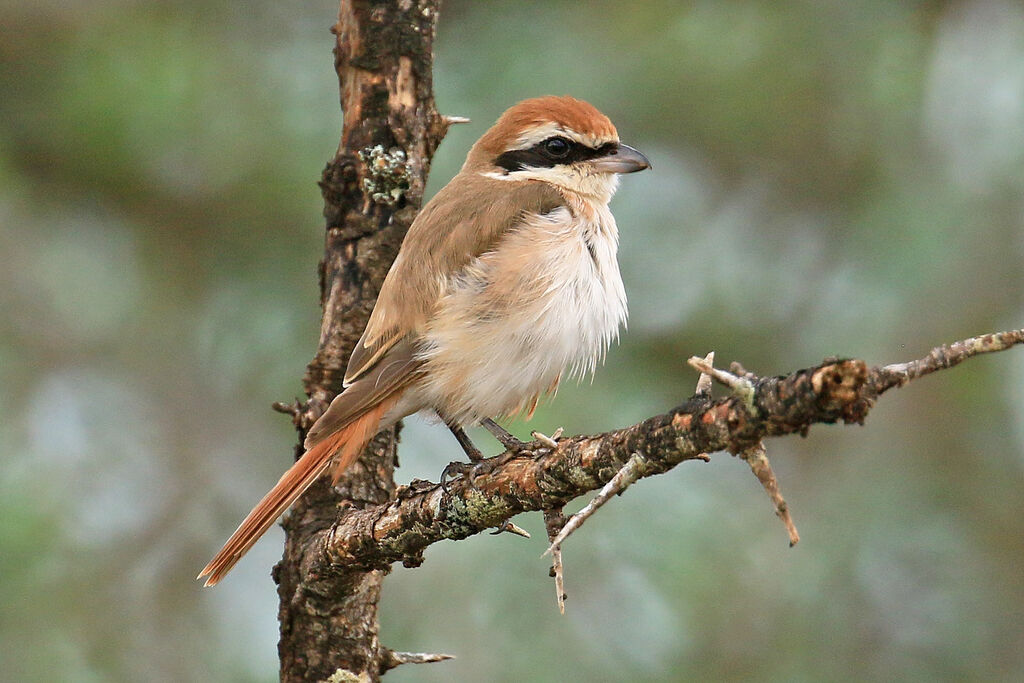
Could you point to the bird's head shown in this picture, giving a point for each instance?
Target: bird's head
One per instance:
(558, 140)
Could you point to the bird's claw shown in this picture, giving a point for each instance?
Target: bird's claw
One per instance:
(487, 466)
(457, 469)
(472, 470)
(513, 447)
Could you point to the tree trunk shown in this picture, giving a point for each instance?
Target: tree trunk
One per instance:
(372, 190)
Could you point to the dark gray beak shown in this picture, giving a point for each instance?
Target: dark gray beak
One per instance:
(622, 159)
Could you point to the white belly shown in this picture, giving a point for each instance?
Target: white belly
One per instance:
(547, 300)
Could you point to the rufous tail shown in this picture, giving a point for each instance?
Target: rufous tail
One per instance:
(342, 447)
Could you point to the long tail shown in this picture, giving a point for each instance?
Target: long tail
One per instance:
(347, 443)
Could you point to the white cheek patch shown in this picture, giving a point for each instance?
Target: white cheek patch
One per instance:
(502, 175)
(599, 186)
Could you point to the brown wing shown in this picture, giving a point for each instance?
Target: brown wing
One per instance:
(464, 220)
(396, 369)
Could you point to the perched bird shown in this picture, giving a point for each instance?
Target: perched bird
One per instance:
(506, 279)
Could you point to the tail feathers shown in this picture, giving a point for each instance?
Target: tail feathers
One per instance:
(357, 435)
(350, 440)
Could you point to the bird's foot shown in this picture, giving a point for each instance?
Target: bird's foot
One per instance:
(514, 445)
(490, 464)
(481, 465)
(472, 470)
(456, 469)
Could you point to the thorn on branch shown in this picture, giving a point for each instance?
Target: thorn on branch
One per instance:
(292, 409)
(704, 381)
(737, 368)
(628, 474)
(553, 521)
(508, 527)
(439, 125)
(704, 391)
(741, 386)
(757, 457)
(549, 441)
(391, 659)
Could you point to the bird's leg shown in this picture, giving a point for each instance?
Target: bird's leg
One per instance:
(515, 445)
(479, 465)
(506, 438)
(471, 450)
(460, 468)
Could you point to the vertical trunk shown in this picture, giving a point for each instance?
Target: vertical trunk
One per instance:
(372, 190)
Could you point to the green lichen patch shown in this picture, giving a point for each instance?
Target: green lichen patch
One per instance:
(387, 174)
(467, 515)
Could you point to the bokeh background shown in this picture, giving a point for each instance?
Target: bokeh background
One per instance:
(829, 178)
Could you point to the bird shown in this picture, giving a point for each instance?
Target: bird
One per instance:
(506, 281)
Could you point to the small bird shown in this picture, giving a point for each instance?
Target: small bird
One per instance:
(506, 279)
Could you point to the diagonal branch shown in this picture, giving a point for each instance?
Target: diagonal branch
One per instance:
(547, 478)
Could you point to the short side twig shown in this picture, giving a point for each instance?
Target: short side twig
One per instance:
(704, 389)
(553, 521)
(629, 473)
(741, 386)
(508, 527)
(757, 458)
(704, 381)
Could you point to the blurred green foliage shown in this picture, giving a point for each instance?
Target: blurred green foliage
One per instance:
(829, 178)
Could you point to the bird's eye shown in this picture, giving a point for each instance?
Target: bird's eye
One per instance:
(557, 148)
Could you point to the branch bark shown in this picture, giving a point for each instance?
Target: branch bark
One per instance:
(372, 190)
(544, 478)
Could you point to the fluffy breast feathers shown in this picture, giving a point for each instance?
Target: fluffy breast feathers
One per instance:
(467, 218)
(547, 298)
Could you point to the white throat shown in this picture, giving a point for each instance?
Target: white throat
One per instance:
(597, 187)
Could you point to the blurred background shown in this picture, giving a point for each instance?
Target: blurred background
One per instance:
(830, 178)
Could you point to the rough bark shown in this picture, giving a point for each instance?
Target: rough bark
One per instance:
(544, 478)
(372, 190)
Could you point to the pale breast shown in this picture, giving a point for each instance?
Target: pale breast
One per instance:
(548, 299)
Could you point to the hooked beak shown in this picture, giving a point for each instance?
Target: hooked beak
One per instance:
(621, 159)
